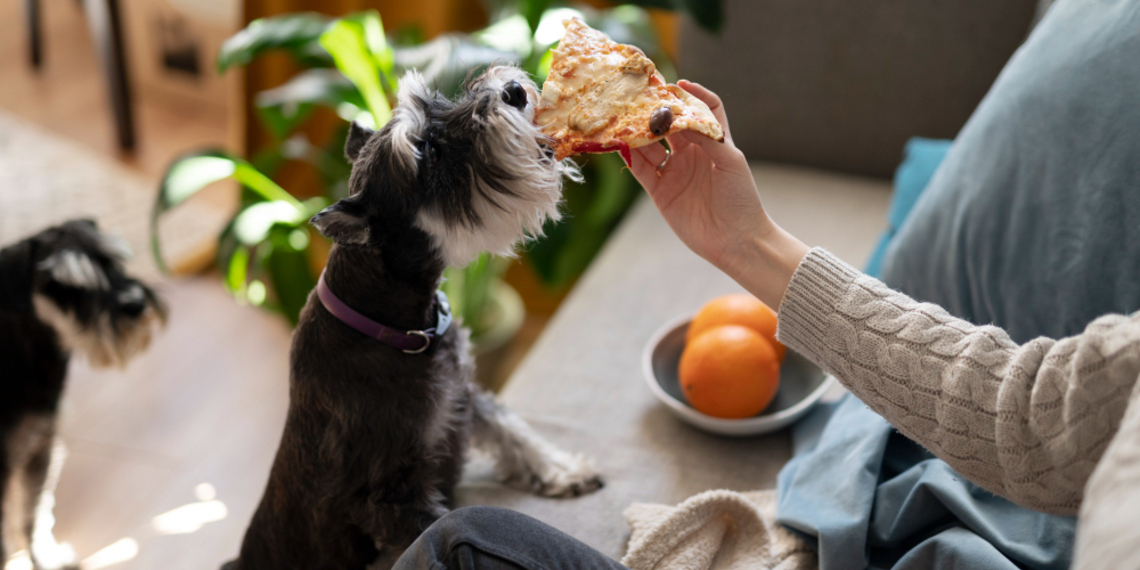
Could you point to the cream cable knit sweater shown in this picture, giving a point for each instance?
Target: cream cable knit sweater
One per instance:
(1047, 424)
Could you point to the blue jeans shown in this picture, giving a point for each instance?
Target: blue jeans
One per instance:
(491, 538)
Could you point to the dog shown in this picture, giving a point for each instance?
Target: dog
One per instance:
(377, 430)
(62, 291)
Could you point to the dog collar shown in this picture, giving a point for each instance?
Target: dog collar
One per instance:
(411, 342)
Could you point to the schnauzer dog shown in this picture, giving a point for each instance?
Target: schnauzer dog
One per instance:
(382, 404)
(63, 290)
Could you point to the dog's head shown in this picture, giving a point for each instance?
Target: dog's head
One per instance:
(472, 174)
(72, 277)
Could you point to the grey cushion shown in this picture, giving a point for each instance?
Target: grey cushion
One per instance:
(1033, 220)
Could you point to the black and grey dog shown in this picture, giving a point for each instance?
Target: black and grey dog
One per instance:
(376, 434)
(62, 291)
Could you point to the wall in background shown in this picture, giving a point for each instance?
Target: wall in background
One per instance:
(842, 85)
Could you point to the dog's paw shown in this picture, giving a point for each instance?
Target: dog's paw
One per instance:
(562, 474)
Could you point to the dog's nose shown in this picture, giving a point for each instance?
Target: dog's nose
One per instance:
(132, 302)
(133, 308)
(515, 95)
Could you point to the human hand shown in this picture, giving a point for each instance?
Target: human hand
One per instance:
(707, 195)
(705, 192)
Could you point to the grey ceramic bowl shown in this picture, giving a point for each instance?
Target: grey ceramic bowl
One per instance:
(802, 384)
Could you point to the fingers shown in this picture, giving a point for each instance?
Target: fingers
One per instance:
(709, 98)
(701, 92)
(654, 153)
(722, 153)
(676, 142)
(644, 165)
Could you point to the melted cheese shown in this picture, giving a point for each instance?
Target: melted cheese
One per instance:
(600, 95)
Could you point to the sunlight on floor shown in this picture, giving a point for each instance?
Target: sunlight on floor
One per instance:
(19, 561)
(118, 552)
(186, 519)
(189, 518)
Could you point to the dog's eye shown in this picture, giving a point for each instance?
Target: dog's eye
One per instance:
(432, 152)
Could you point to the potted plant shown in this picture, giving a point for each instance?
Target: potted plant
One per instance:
(267, 254)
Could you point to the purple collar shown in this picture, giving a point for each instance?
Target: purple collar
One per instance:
(411, 342)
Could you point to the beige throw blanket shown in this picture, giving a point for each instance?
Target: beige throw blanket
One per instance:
(715, 530)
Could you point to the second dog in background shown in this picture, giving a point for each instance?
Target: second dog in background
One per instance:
(381, 399)
(62, 291)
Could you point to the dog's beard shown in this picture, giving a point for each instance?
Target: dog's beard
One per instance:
(104, 342)
(516, 187)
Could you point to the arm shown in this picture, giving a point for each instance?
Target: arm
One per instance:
(1027, 422)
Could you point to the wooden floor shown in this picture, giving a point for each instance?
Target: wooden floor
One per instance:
(196, 419)
(68, 95)
(166, 459)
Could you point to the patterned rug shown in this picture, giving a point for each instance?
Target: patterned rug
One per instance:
(45, 179)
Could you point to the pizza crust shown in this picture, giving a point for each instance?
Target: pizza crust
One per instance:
(603, 96)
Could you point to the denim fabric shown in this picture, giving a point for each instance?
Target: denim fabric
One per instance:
(491, 538)
(871, 498)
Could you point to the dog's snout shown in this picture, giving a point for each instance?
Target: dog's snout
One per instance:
(514, 94)
(132, 302)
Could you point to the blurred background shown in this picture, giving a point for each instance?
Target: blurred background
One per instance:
(208, 131)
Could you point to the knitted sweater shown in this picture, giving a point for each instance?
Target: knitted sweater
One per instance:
(1050, 424)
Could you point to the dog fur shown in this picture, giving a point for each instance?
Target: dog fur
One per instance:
(62, 291)
(375, 439)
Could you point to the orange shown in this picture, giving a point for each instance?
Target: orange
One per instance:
(729, 372)
(738, 309)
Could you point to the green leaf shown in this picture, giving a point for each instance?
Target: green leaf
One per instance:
(533, 10)
(446, 61)
(470, 289)
(512, 35)
(499, 9)
(252, 225)
(268, 160)
(593, 210)
(544, 63)
(616, 187)
(375, 40)
(628, 25)
(191, 173)
(283, 108)
(290, 276)
(236, 270)
(297, 33)
(328, 160)
(409, 34)
(709, 14)
(658, 4)
(345, 41)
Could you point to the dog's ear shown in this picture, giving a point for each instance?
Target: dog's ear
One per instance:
(357, 135)
(344, 222)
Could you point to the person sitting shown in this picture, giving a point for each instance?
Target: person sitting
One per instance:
(1051, 424)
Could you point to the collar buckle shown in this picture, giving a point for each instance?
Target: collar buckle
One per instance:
(427, 341)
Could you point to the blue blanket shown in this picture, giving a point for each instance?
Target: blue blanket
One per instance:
(871, 498)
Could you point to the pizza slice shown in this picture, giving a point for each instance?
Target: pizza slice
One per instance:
(602, 96)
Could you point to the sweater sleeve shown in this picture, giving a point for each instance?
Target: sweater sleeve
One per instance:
(1027, 422)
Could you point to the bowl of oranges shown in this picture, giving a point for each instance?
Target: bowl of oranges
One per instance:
(723, 370)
